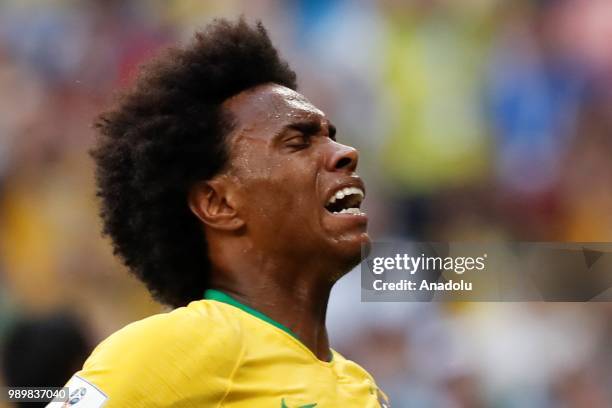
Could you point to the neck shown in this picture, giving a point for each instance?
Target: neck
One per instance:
(294, 295)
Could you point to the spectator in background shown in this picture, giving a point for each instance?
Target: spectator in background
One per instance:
(437, 137)
(534, 92)
(44, 351)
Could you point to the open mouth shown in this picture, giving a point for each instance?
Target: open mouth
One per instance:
(346, 200)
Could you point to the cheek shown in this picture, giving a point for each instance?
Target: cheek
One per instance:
(282, 191)
(275, 216)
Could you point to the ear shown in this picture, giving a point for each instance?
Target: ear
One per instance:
(213, 203)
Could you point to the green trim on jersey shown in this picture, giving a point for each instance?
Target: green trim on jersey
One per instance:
(213, 294)
(219, 296)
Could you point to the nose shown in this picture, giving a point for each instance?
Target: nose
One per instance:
(343, 157)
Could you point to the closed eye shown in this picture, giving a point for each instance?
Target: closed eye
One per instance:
(299, 141)
(299, 135)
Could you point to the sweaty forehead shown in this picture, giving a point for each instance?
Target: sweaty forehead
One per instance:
(269, 107)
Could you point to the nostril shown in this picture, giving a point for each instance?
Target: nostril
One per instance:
(343, 162)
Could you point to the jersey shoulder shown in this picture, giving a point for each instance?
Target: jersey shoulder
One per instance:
(350, 368)
(157, 360)
(202, 326)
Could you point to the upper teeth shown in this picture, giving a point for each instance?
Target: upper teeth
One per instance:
(340, 194)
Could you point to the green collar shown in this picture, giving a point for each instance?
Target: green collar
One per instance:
(213, 294)
(219, 296)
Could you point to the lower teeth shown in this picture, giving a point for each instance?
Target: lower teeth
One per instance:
(354, 211)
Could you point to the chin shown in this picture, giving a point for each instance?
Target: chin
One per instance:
(350, 251)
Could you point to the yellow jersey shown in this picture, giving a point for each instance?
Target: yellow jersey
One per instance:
(216, 352)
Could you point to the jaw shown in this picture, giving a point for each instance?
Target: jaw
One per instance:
(346, 236)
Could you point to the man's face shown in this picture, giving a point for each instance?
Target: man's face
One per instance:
(298, 191)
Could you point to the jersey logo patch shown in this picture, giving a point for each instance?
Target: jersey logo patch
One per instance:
(81, 394)
(283, 405)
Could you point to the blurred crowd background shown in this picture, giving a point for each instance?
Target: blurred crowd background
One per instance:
(485, 120)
